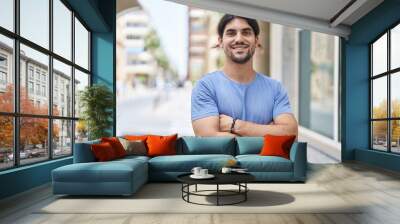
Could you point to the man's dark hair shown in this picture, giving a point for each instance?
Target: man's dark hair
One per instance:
(227, 18)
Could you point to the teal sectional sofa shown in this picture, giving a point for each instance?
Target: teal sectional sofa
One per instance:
(125, 176)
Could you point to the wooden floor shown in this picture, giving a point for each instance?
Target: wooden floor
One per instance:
(379, 189)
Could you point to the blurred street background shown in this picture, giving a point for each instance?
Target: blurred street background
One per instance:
(163, 48)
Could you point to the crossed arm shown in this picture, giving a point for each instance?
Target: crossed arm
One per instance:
(284, 124)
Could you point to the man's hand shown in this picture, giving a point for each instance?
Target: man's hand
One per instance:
(225, 123)
(210, 126)
(284, 124)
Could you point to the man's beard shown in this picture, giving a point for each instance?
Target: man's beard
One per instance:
(241, 60)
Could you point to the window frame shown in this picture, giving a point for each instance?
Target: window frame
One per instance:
(16, 114)
(388, 74)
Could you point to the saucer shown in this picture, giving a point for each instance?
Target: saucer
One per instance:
(240, 171)
(208, 176)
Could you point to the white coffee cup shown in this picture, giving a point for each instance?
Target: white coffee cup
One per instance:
(226, 170)
(196, 170)
(203, 172)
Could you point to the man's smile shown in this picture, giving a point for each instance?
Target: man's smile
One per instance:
(240, 47)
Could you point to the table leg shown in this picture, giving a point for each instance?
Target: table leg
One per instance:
(217, 194)
(182, 188)
(188, 189)
(245, 193)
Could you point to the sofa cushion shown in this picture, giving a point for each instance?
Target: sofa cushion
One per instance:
(257, 163)
(83, 152)
(131, 158)
(136, 147)
(249, 145)
(277, 145)
(112, 171)
(103, 151)
(136, 137)
(185, 163)
(116, 145)
(191, 145)
(161, 145)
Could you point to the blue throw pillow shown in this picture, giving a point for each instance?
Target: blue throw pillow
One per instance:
(192, 145)
(249, 145)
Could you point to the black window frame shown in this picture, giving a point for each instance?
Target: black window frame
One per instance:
(388, 74)
(16, 115)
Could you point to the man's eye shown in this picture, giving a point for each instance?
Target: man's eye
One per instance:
(247, 33)
(230, 33)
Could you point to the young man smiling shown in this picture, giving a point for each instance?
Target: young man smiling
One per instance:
(238, 101)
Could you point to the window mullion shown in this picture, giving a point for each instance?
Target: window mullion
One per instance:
(16, 84)
(73, 82)
(371, 97)
(389, 138)
(50, 81)
(389, 106)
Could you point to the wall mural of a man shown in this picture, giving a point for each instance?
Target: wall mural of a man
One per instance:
(237, 100)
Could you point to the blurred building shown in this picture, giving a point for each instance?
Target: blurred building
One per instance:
(198, 42)
(261, 59)
(135, 64)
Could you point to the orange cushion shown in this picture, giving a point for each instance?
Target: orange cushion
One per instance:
(277, 145)
(116, 145)
(161, 145)
(103, 151)
(136, 137)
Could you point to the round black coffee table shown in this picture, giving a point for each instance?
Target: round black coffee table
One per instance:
(238, 179)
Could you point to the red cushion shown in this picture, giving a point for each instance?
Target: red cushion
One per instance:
(103, 151)
(136, 137)
(161, 145)
(116, 145)
(277, 145)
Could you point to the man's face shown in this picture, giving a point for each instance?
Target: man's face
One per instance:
(238, 41)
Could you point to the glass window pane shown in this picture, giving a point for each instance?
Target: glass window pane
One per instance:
(6, 142)
(34, 72)
(395, 94)
(322, 80)
(62, 138)
(379, 55)
(379, 135)
(81, 81)
(35, 21)
(33, 139)
(81, 45)
(395, 136)
(7, 14)
(62, 29)
(62, 89)
(81, 131)
(6, 74)
(395, 47)
(379, 97)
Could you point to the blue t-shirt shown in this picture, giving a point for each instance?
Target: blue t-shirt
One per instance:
(259, 101)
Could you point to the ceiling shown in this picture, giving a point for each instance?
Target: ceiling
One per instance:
(326, 16)
(319, 9)
(126, 4)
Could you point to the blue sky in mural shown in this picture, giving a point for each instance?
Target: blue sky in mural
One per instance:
(171, 22)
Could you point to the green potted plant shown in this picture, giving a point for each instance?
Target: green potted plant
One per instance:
(97, 103)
